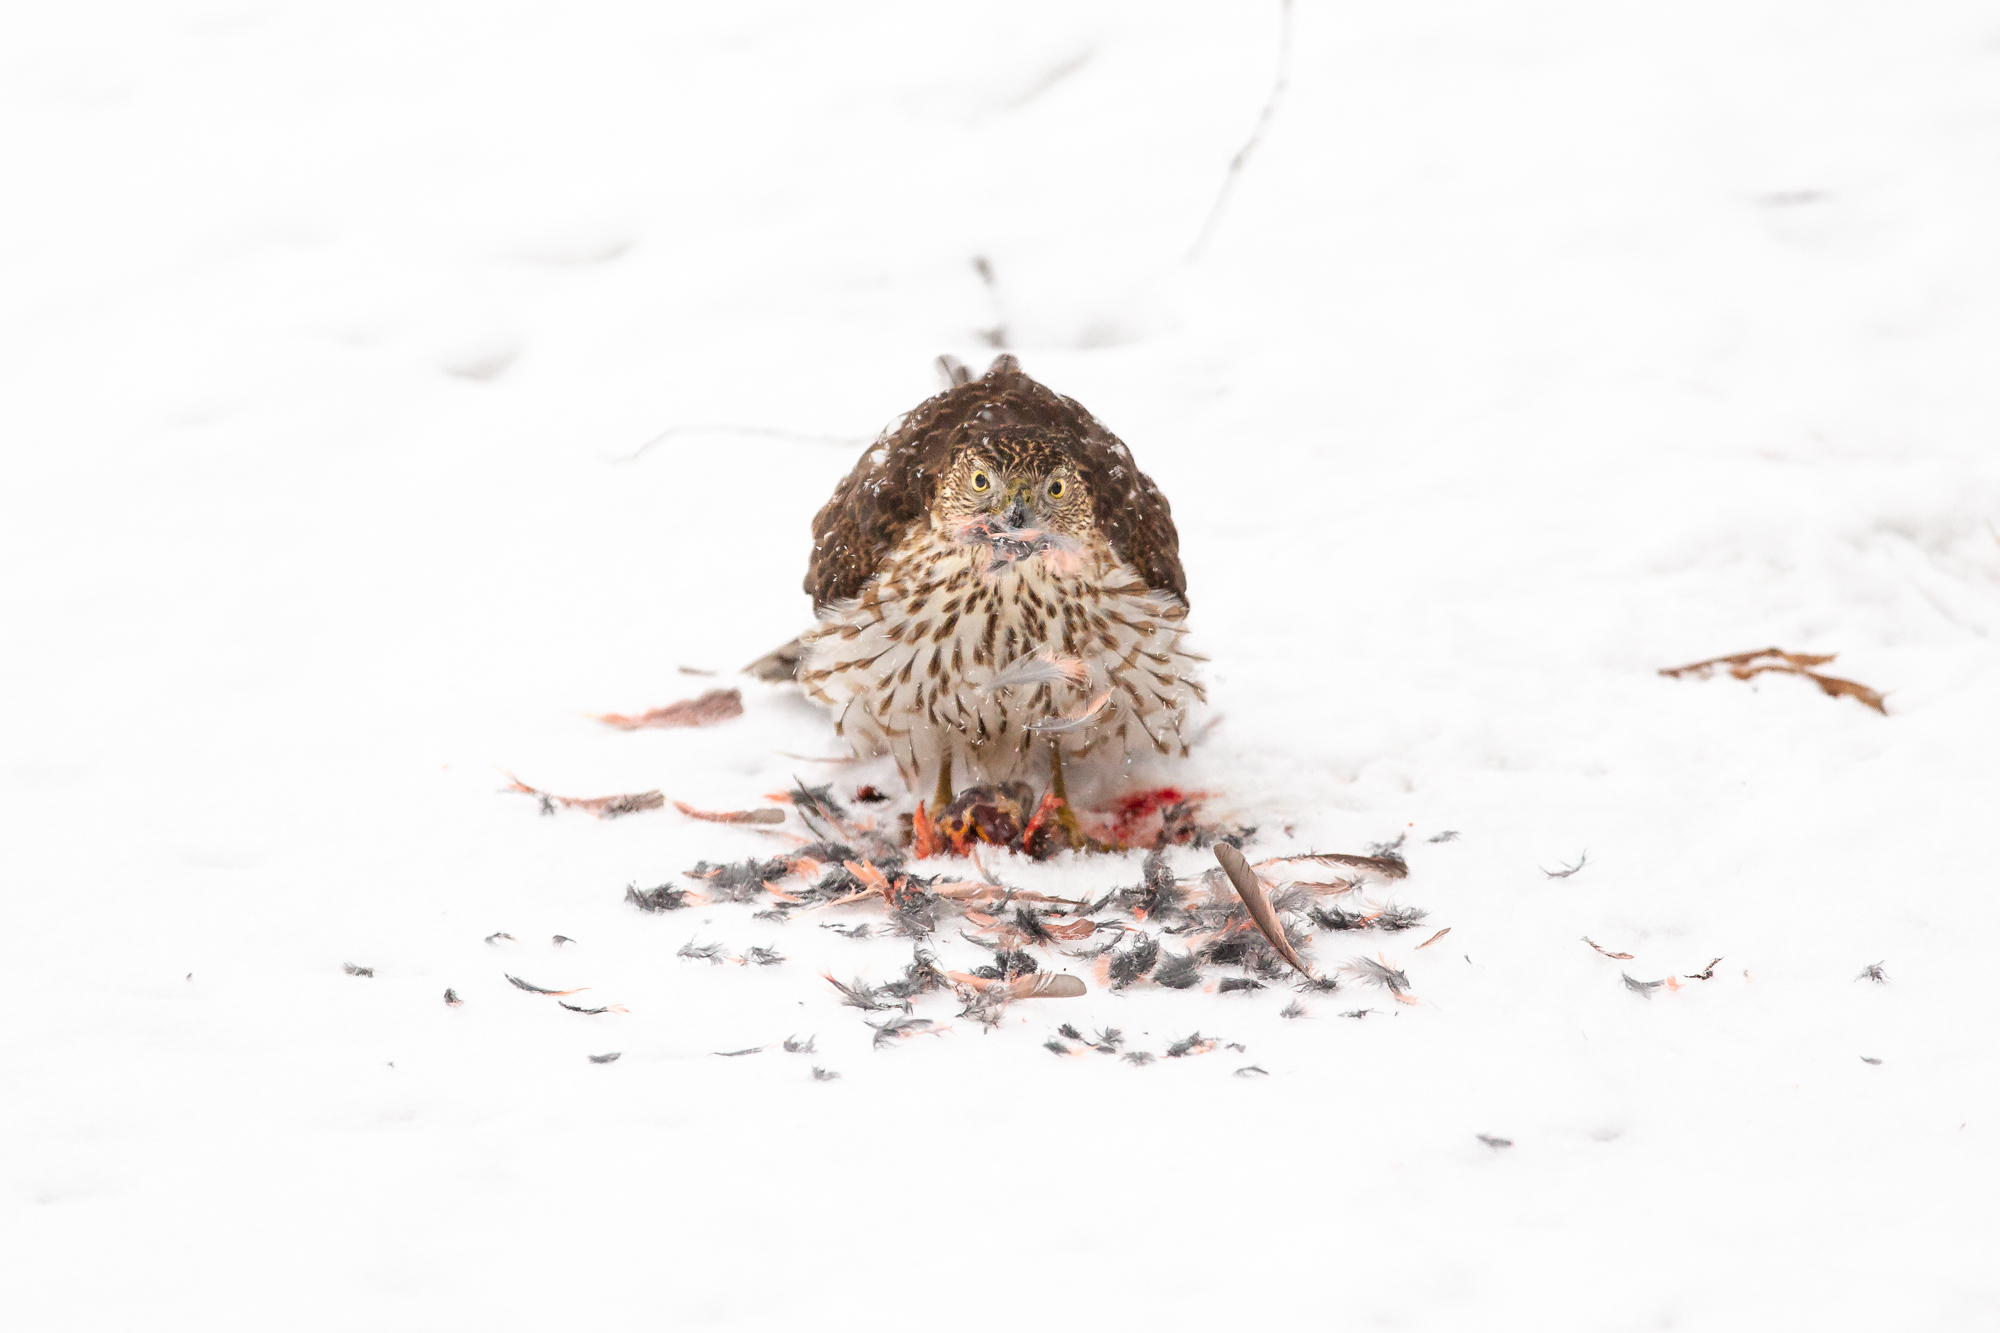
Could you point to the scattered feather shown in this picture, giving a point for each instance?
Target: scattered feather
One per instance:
(1435, 938)
(706, 953)
(1645, 988)
(1293, 1009)
(559, 940)
(1395, 981)
(747, 1050)
(824, 1075)
(1192, 1044)
(1706, 973)
(606, 1058)
(1253, 1071)
(604, 807)
(1046, 986)
(1622, 957)
(1492, 1142)
(1178, 972)
(1566, 871)
(1139, 1057)
(902, 1028)
(533, 989)
(864, 996)
(1449, 835)
(1388, 867)
(451, 998)
(1251, 891)
(710, 708)
(793, 1046)
(1044, 668)
(356, 970)
(498, 935)
(765, 816)
(665, 898)
(1870, 1060)
(1873, 972)
(601, 1009)
(1075, 720)
(1004, 546)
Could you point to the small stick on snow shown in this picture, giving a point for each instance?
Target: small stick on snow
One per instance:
(1236, 163)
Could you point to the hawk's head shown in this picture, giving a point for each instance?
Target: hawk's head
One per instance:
(1015, 478)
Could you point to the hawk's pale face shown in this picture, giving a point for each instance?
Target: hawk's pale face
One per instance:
(1019, 486)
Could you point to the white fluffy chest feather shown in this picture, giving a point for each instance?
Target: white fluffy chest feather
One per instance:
(944, 658)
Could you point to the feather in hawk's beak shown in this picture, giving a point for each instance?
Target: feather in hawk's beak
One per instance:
(1016, 510)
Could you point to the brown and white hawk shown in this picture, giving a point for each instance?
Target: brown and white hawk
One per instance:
(999, 593)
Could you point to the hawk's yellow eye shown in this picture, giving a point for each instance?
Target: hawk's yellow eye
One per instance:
(981, 482)
(1056, 489)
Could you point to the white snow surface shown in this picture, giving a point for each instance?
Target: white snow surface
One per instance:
(1539, 346)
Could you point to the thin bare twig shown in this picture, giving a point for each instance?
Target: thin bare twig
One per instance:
(1264, 117)
(766, 432)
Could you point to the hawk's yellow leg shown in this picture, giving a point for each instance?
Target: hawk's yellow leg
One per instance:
(1064, 815)
(944, 793)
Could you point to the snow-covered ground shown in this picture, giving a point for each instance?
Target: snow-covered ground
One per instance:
(1540, 346)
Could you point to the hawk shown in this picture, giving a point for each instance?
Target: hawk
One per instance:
(999, 593)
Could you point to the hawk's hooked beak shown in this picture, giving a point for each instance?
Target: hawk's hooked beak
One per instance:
(1015, 511)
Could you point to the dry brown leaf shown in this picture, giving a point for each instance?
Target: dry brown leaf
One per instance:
(1744, 666)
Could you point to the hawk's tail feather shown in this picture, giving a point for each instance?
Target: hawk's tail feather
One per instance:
(780, 664)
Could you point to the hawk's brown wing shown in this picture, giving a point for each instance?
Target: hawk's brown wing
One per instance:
(893, 484)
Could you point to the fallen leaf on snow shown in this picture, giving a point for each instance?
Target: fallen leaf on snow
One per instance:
(1743, 666)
